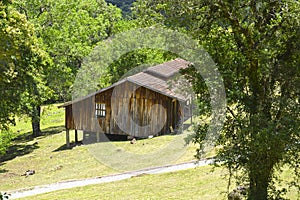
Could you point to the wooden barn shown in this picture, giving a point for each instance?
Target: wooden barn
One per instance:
(144, 104)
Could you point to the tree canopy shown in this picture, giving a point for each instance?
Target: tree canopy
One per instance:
(256, 47)
(22, 63)
(69, 30)
(22, 59)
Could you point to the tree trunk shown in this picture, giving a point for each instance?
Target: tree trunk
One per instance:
(35, 121)
(259, 183)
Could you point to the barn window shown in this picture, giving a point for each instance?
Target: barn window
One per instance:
(100, 110)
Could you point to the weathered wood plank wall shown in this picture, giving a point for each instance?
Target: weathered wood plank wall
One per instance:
(130, 109)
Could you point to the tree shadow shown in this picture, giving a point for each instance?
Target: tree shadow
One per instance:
(52, 131)
(3, 171)
(45, 132)
(18, 150)
(64, 147)
(20, 146)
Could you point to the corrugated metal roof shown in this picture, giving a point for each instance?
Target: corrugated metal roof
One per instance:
(154, 78)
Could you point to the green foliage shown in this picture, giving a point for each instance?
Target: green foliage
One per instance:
(125, 25)
(129, 62)
(136, 59)
(22, 61)
(256, 47)
(69, 30)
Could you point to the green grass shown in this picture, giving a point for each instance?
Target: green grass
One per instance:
(157, 151)
(52, 164)
(51, 116)
(48, 156)
(199, 183)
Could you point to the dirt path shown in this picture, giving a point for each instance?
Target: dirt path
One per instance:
(104, 179)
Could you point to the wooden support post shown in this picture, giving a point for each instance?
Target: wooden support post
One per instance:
(76, 136)
(182, 118)
(68, 138)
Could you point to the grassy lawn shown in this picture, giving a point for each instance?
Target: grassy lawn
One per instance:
(157, 151)
(199, 183)
(48, 156)
(51, 117)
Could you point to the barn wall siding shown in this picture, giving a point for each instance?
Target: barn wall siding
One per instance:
(130, 110)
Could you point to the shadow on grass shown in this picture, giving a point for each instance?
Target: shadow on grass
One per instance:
(18, 150)
(19, 146)
(45, 132)
(52, 130)
(64, 147)
(3, 171)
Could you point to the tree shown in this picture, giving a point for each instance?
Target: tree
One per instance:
(22, 61)
(256, 47)
(138, 58)
(69, 30)
(135, 59)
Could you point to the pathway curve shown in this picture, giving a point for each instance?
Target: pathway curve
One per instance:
(105, 179)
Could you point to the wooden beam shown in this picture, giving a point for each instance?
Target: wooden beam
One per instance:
(76, 136)
(68, 138)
